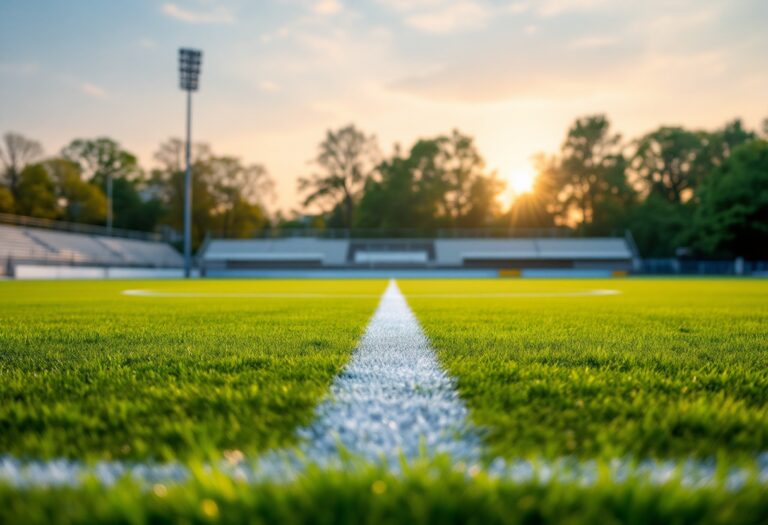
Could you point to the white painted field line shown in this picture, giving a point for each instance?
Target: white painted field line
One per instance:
(393, 399)
(246, 295)
(288, 295)
(510, 295)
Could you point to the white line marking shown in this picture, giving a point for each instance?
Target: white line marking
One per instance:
(246, 295)
(393, 400)
(503, 295)
(280, 295)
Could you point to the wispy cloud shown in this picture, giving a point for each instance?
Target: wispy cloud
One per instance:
(327, 7)
(556, 7)
(459, 16)
(94, 91)
(518, 7)
(213, 15)
(444, 16)
(269, 86)
(531, 29)
(593, 42)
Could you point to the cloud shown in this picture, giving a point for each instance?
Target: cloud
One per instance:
(449, 17)
(556, 7)
(593, 42)
(327, 7)
(214, 15)
(517, 7)
(269, 86)
(94, 91)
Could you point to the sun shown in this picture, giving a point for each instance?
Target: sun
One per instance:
(519, 181)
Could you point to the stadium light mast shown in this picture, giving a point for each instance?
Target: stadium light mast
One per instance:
(189, 73)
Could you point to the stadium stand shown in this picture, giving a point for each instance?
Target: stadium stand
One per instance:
(24, 246)
(607, 254)
(274, 253)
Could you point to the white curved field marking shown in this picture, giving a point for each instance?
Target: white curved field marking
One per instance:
(247, 295)
(300, 295)
(511, 295)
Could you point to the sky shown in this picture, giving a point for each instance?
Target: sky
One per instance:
(277, 74)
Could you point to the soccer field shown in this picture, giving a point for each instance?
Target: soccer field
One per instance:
(499, 400)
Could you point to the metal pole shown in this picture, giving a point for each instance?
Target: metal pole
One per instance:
(188, 194)
(109, 204)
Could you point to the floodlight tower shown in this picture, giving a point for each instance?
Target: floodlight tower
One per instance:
(189, 73)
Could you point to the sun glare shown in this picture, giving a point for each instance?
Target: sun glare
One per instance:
(518, 181)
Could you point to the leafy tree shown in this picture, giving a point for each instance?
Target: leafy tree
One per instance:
(133, 210)
(394, 200)
(346, 159)
(442, 182)
(170, 154)
(103, 161)
(203, 201)
(37, 193)
(659, 227)
(16, 152)
(586, 183)
(453, 173)
(79, 200)
(101, 158)
(529, 211)
(240, 192)
(229, 199)
(732, 218)
(726, 139)
(671, 161)
(7, 204)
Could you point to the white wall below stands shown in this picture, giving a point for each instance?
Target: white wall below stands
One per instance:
(35, 271)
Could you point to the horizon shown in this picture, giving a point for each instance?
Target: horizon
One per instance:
(276, 76)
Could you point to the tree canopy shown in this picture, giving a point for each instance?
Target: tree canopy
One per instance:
(672, 188)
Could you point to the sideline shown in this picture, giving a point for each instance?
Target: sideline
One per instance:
(287, 295)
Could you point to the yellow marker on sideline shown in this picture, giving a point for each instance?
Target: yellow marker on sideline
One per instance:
(506, 272)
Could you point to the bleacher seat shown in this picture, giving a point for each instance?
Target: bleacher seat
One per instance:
(276, 252)
(38, 245)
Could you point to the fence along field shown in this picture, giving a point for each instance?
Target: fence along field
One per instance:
(667, 377)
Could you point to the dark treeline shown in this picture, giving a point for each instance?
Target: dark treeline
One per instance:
(229, 197)
(704, 193)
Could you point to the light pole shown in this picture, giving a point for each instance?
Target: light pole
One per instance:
(189, 73)
(109, 203)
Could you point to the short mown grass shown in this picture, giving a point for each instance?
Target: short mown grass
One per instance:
(667, 369)
(88, 373)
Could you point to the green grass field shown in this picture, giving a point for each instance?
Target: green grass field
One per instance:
(90, 373)
(666, 369)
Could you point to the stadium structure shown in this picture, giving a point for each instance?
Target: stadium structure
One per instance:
(41, 249)
(35, 248)
(463, 256)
